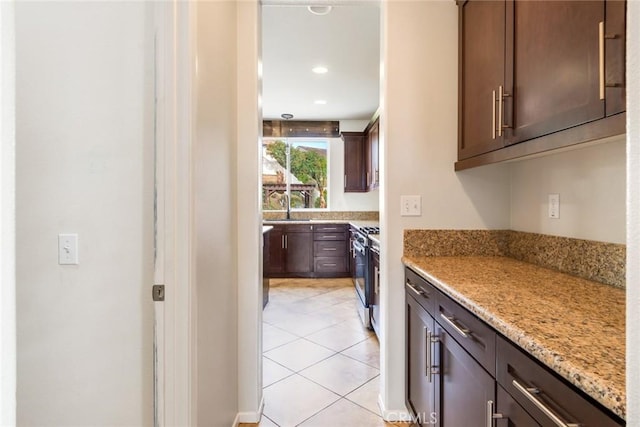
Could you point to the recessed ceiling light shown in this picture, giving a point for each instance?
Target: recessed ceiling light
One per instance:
(320, 102)
(320, 69)
(319, 10)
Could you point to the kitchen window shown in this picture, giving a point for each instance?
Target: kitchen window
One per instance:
(295, 172)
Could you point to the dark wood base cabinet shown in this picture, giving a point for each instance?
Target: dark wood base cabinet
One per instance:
(308, 250)
(461, 372)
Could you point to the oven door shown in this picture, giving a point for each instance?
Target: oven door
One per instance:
(361, 272)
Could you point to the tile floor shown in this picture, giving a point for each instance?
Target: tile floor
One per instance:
(320, 365)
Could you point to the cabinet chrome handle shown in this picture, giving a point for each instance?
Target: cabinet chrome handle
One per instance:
(530, 393)
(491, 415)
(429, 368)
(601, 57)
(501, 96)
(493, 115)
(419, 292)
(452, 322)
(330, 264)
(282, 241)
(286, 241)
(427, 362)
(329, 249)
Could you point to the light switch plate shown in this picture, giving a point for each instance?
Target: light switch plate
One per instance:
(67, 249)
(410, 205)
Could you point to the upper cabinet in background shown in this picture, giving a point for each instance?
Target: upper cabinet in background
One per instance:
(362, 159)
(536, 76)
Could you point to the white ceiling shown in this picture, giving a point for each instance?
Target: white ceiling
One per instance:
(346, 41)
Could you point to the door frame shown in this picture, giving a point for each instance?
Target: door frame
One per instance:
(174, 327)
(8, 344)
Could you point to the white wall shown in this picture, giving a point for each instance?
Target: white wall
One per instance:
(7, 217)
(633, 213)
(216, 212)
(84, 165)
(591, 182)
(419, 142)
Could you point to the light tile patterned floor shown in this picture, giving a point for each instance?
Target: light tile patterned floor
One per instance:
(320, 365)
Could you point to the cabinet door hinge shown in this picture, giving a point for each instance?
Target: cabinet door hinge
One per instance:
(158, 292)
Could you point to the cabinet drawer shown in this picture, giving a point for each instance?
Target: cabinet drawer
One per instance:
(511, 410)
(330, 264)
(421, 290)
(330, 228)
(472, 333)
(541, 393)
(335, 235)
(330, 248)
(299, 228)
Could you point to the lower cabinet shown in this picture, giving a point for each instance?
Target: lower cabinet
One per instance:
(421, 388)
(460, 372)
(308, 250)
(290, 251)
(466, 389)
(445, 385)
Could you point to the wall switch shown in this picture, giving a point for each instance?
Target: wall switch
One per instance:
(67, 249)
(554, 206)
(410, 205)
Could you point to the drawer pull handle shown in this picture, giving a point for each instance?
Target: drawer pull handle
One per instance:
(329, 249)
(331, 265)
(530, 393)
(417, 291)
(452, 322)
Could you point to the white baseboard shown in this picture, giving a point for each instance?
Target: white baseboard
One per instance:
(249, 417)
(393, 415)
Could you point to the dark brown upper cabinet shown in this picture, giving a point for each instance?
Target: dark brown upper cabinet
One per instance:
(354, 162)
(362, 158)
(548, 73)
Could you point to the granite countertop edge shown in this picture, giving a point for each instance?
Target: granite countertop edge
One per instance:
(356, 223)
(612, 398)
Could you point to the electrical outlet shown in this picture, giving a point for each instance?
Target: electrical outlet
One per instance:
(410, 205)
(554, 206)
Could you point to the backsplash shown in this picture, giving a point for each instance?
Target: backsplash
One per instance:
(326, 215)
(455, 242)
(598, 261)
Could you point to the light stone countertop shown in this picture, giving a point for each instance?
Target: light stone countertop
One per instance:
(574, 326)
(266, 228)
(305, 221)
(355, 223)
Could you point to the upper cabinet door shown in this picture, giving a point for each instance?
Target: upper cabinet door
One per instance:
(553, 66)
(354, 162)
(482, 31)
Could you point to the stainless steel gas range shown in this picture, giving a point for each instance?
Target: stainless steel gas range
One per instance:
(362, 276)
